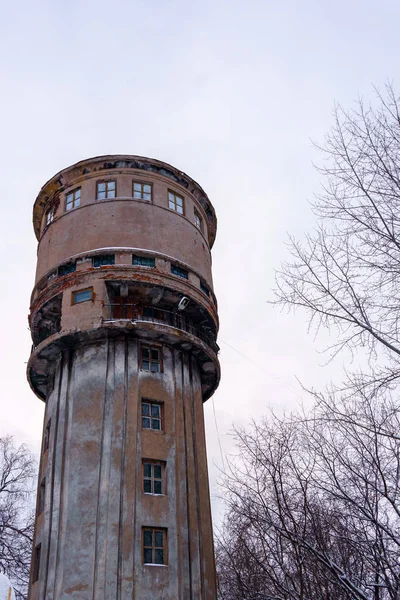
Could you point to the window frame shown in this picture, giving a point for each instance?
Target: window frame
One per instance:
(49, 216)
(106, 191)
(153, 547)
(199, 218)
(72, 269)
(179, 272)
(152, 478)
(73, 302)
(103, 256)
(160, 362)
(205, 289)
(142, 183)
(41, 496)
(161, 418)
(73, 203)
(138, 257)
(176, 195)
(46, 436)
(36, 563)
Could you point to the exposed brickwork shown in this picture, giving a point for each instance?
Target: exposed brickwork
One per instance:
(89, 324)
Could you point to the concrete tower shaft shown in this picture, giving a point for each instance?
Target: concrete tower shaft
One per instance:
(124, 324)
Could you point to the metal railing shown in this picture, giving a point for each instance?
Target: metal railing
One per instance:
(136, 313)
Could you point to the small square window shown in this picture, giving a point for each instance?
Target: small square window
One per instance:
(153, 476)
(198, 221)
(154, 546)
(73, 199)
(103, 259)
(36, 563)
(50, 216)
(175, 202)
(106, 189)
(141, 191)
(82, 296)
(175, 270)
(143, 261)
(151, 359)
(152, 415)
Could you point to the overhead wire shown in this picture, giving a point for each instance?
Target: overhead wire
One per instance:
(263, 370)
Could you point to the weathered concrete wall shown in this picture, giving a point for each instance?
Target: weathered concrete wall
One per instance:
(91, 529)
(85, 366)
(123, 223)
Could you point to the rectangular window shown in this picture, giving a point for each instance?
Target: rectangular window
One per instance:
(73, 199)
(198, 221)
(175, 202)
(175, 270)
(46, 438)
(151, 359)
(204, 289)
(141, 191)
(82, 296)
(143, 261)
(50, 216)
(36, 563)
(66, 269)
(103, 259)
(106, 189)
(153, 476)
(154, 546)
(152, 415)
(42, 491)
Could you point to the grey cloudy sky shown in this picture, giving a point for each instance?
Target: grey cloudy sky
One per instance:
(231, 93)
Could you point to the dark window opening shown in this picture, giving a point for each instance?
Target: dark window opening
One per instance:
(122, 307)
(103, 259)
(66, 269)
(152, 415)
(50, 384)
(204, 289)
(46, 437)
(150, 359)
(154, 546)
(179, 272)
(36, 563)
(41, 499)
(153, 477)
(143, 261)
(153, 313)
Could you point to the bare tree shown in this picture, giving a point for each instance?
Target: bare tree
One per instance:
(314, 500)
(314, 506)
(346, 274)
(17, 484)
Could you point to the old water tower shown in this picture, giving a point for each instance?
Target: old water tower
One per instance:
(124, 325)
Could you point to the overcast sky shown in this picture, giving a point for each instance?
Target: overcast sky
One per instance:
(229, 92)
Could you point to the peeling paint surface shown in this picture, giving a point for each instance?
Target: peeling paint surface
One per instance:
(87, 365)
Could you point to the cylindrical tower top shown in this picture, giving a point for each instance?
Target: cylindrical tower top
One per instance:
(100, 164)
(124, 246)
(124, 325)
